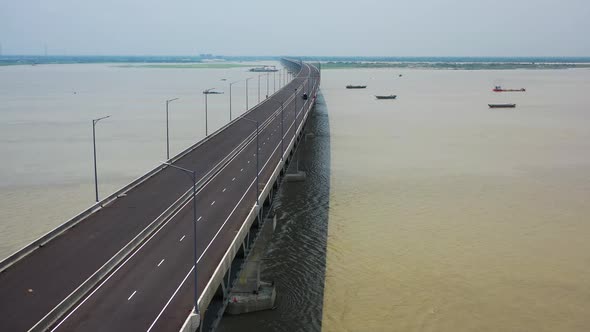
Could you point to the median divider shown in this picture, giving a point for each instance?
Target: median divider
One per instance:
(217, 278)
(66, 304)
(52, 234)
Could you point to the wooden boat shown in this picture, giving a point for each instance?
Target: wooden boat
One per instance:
(502, 105)
(498, 88)
(386, 97)
(356, 86)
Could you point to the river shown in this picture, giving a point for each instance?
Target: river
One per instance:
(430, 212)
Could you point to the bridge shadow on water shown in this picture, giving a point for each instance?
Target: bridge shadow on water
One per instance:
(296, 258)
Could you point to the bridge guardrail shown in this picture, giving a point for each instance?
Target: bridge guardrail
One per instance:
(217, 277)
(59, 310)
(44, 239)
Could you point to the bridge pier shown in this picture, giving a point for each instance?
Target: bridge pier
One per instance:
(249, 293)
(238, 270)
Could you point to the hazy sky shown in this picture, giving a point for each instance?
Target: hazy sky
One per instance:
(303, 27)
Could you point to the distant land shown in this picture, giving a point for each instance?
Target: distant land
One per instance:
(328, 62)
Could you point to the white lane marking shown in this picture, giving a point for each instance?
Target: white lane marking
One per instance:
(162, 261)
(205, 250)
(201, 256)
(212, 203)
(181, 196)
(234, 179)
(182, 238)
(212, 240)
(241, 169)
(199, 218)
(165, 224)
(129, 298)
(223, 190)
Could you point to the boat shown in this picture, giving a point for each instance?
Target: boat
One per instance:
(502, 105)
(498, 88)
(386, 97)
(264, 69)
(356, 86)
(212, 92)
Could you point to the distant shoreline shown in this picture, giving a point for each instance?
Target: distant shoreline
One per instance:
(454, 65)
(327, 62)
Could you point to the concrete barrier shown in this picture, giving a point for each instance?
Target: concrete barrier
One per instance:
(217, 278)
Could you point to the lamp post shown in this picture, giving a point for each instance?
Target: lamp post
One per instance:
(296, 111)
(193, 175)
(267, 78)
(259, 88)
(257, 156)
(282, 105)
(249, 78)
(94, 122)
(206, 93)
(167, 129)
(232, 83)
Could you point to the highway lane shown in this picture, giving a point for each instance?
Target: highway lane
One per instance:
(33, 286)
(136, 293)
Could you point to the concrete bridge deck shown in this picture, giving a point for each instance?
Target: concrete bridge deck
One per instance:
(142, 241)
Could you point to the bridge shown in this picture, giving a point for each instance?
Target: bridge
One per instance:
(128, 262)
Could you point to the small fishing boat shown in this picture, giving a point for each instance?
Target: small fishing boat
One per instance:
(356, 86)
(386, 97)
(502, 105)
(498, 88)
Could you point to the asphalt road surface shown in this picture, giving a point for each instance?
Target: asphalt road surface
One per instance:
(153, 288)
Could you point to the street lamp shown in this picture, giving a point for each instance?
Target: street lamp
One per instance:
(193, 175)
(249, 78)
(167, 130)
(282, 104)
(257, 156)
(267, 78)
(232, 83)
(296, 110)
(206, 93)
(94, 122)
(259, 88)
